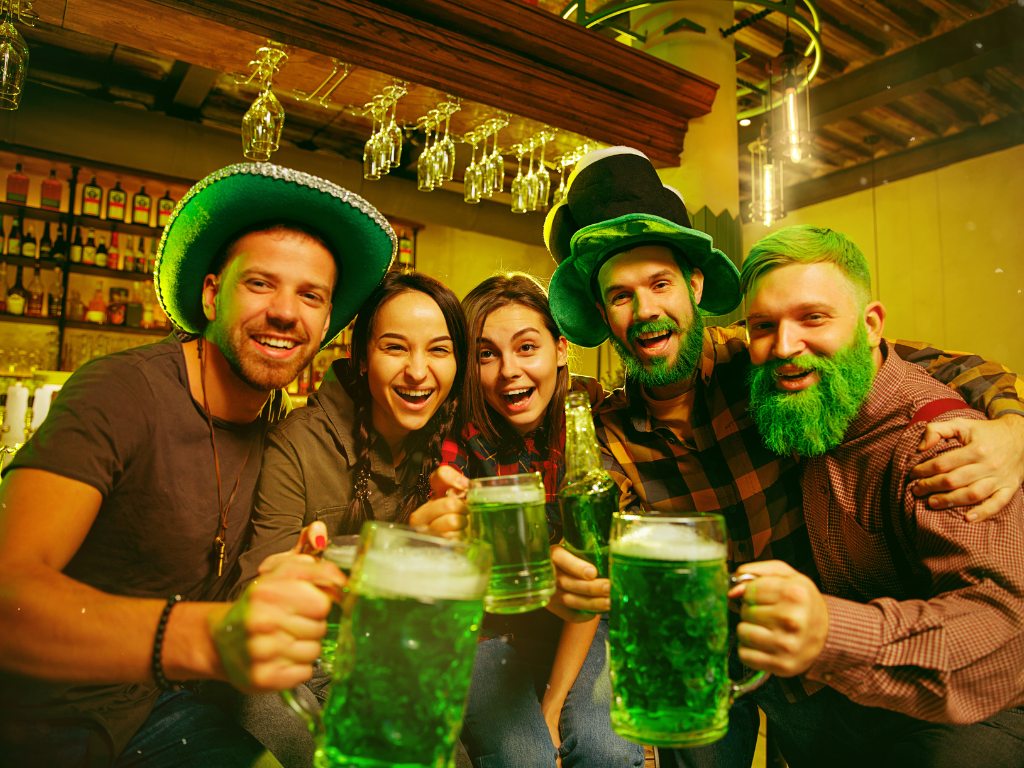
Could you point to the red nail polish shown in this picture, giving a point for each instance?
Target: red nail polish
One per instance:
(321, 542)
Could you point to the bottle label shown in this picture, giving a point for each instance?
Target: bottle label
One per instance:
(164, 208)
(75, 253)
(91, 197)
(116, 200)
(50, 195)
(141, 209)
(15, 304)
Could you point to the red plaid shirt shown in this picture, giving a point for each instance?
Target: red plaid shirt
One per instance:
(926, 610)
(727, 469)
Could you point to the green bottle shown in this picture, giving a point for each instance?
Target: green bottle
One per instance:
(589, 496)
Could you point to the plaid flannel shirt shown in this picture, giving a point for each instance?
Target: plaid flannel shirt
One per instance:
(728, 469)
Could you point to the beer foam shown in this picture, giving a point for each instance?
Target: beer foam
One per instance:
(422, 574)
(506, 494)
(664, 541)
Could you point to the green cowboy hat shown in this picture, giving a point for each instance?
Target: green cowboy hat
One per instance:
(241, 196)
(616, 201)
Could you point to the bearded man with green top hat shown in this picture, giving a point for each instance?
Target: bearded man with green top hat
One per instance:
(124, 515)
(678, 436)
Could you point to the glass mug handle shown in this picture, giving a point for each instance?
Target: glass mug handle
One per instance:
(309, 715)
(756, 678)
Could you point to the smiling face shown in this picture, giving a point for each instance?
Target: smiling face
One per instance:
(815, 350)
(650, 308)
(411, 364)
(269, 308)
(518, 360)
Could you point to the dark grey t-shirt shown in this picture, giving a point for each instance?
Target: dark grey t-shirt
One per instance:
(127, 425)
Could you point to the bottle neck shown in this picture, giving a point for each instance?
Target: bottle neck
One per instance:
(582, 454)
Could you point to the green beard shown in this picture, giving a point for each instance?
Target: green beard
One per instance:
(660, 372)
(812, 421)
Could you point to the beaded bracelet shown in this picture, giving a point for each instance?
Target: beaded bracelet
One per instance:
(156, 663)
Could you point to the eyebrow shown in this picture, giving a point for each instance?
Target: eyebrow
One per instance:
(806, 307)
(403, 337)
(659, 275)
(516, 335)
(256, 272)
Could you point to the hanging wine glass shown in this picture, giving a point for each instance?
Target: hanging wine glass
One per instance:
(520, 195)
(261, 127)
(13, 64)
(447, 148)
(530, 182)
(371, 154)
(543, 178)
(496, 161)
(473, 177)
(425, 164)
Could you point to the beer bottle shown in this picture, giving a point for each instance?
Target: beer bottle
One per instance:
(57, 293)
(89, 249)
(3, 286)
(45, 243)
(28, 243)
(101, 253)
(75, 249)
(36, 304)
(17, 296)
(59, 252)
(164, 207)
(113, 253)
(14, 238)
(588, 496)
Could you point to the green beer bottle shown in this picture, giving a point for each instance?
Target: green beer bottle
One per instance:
(588, 496)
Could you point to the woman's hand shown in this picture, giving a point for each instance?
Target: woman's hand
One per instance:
(446, 480)
(446, 516)
(579, 594)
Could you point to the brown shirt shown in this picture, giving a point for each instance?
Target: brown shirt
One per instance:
(926, 610)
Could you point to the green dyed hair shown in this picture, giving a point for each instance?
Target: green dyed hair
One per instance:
(804, 244)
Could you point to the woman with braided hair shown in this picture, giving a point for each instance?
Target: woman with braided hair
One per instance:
(365, 445)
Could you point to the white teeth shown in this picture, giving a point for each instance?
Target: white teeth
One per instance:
(274, 342)
(517, 392)
(413, 392)
(653, 335)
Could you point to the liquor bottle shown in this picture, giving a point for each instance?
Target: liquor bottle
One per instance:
(89, 249)
(405, 258)
(113, 253)
(45, 243)
(117, 201)
(29, 246)
(142, 207)
(57, 293)
(128, 256)
(59, 252)
(14, 238)
(588, 496)
(164, 208)
(76, 307)
(17, 296)
(92, 198)
(3, 286)
(151, 256)
(51, 192)
(17, 186)
(96, 311)
(140, 255)
(75, 249)
(36, 304)
(101, 253)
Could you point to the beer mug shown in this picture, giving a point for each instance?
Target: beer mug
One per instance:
(342, 552)
(668, 633)
(508, 513)
(406, 645)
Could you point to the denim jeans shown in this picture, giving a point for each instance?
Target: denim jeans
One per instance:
(504, 726)
(181, 732)
(734, 750)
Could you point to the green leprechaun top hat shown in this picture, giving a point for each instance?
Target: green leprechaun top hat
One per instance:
(615, 201)
(240, 196)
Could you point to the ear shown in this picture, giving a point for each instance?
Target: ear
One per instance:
(697, 284)
(562, 356)
(874, 319)
(211, 286)
(601, 310)
(327, 323)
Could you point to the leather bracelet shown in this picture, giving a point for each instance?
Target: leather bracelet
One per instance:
(156, 663)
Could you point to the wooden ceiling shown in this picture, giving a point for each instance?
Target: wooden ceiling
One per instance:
(903, 86)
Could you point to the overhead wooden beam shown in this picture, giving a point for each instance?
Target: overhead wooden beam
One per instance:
(510, 56)
(967, 50)
(992, 137)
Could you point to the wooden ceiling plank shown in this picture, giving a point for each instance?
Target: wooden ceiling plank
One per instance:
(832, 26)
(935, 154)
(909, 19)
(971, 48)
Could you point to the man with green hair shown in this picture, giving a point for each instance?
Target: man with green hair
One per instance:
(917, 620)
(678, 436)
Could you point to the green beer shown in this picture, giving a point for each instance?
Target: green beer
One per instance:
(405, 657)
(508, 513)
(668, 636)
(587, 506)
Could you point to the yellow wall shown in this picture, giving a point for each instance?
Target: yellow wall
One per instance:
(945, 249)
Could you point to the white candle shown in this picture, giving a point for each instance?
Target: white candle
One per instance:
(14, 416)
(41, 403)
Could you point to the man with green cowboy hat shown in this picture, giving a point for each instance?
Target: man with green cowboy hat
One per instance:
(123, 516)
(677, 436)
